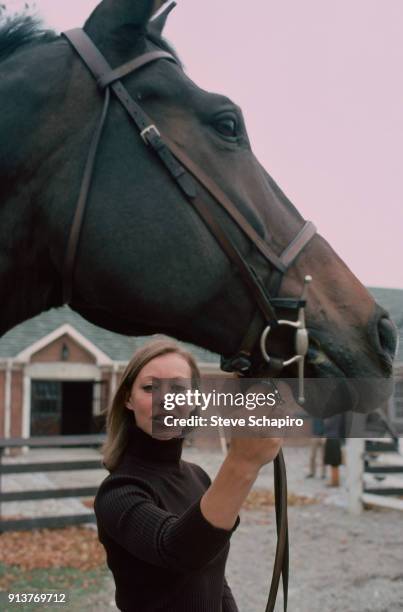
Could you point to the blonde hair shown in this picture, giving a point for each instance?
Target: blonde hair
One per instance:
(118, 417)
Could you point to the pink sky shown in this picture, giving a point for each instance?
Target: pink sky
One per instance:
(321, 86)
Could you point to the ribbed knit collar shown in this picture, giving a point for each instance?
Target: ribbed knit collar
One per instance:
(146, 448)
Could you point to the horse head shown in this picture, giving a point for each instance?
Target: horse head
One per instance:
(145, 260)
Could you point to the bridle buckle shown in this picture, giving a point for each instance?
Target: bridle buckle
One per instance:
(147, 130)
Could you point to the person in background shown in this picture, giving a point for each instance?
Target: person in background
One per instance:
(334, 432)
(317, 448)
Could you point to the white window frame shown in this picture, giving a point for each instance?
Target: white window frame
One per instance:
(397, 402)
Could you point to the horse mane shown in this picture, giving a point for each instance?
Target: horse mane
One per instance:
(25, 29)
(22, 30)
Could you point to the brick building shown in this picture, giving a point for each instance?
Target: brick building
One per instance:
(58, 373)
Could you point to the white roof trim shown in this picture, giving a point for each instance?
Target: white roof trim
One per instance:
(65, 329)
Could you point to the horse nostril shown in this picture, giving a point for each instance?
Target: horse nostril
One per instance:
(387, 334)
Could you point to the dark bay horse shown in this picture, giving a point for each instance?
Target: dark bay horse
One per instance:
(146, 263)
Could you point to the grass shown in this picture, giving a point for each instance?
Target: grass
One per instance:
(69, 560)
(79, 586)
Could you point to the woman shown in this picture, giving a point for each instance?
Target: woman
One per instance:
(164, 525)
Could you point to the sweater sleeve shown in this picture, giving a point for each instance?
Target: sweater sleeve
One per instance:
(204, 476)
(128, 513)
(228, 601)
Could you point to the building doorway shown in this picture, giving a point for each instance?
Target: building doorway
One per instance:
(61, 407)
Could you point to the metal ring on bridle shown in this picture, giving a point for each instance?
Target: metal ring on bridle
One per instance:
(301, 341)
(263, 339)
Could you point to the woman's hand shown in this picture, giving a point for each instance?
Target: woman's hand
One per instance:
(259, 449)
(246, 456)
(254, 452)
(222, 501)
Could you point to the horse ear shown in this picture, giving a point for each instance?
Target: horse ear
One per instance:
(158, 21)
(119, 23)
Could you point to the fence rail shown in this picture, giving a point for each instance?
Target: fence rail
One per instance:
(85, 441)
(366, 457)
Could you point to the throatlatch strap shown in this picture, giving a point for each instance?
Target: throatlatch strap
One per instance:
(77, 223)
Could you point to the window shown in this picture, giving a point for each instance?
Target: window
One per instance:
(398, 400)
(46, 407)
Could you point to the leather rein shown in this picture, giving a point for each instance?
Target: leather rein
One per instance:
(189, 176)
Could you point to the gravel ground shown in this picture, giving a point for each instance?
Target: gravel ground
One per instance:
(338, 562)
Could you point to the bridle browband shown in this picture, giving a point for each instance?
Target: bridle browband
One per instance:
(188, 176)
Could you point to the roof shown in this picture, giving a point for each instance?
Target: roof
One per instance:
(392, 301)
(120, 348)
(116, 346)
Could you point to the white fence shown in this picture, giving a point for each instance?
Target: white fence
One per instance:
(364, 463)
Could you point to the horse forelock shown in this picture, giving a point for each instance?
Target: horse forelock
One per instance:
(20, 31)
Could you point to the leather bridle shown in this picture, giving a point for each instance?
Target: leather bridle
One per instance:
(189, 177)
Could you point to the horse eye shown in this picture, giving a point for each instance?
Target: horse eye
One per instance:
(227, 126)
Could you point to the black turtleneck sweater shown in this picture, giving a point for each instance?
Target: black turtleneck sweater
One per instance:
(164, 555)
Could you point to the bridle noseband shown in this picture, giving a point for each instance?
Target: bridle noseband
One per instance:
(188, 176)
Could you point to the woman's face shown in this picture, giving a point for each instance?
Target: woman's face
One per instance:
(152, 378)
